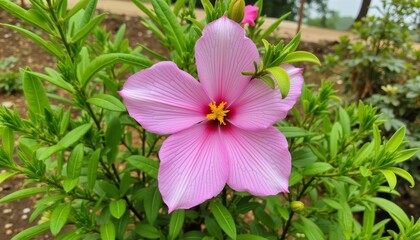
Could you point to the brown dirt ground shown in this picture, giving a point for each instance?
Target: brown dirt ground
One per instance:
(14, 215)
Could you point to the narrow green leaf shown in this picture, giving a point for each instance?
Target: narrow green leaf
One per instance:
(178, 5)
(213, 228)
(147, 231)
(249, 237)
(332, 203)
(145, 10)
(79, 5)
(83, 33)
(21, 13)
(70, 183)
(6, 175)
(404, 155)
(88, 13)
(399, 216)
(344, 121)
(59, 217)
(176, 223)
(310, 229)
(282, 79)
(404, 174)
(75, 162)
(271, 28)
(301, 56)
(293, 44)
(108, 102)
(294, 132)
(390, 177)
(93, 168)
(147, 165)
(48, 46)
(8, 141)
(365, 172)
(395, 140)
(170, 25)
(23, 193)
(317, 168)
(112, 58)
(56, 80)
(294, 178)
(152, 205)
(224, 219)
(335, 135)
(117, 208)
(32, 232)
(108, 231)
(34, 91)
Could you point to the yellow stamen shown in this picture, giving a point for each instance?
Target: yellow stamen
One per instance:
(217, 112)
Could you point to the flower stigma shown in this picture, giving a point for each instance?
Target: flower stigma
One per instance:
(217, 112)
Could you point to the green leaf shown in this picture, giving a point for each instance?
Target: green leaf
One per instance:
(59, 217)
(34, 91)
(152, 205)
(112, 58)
(213, 228)
(269, 81)
(23, 193)
(317, 168)
(147, 231)
(301, 56)
(365, 172)
(249, 237)
(108, 102)
(293, 44)
(79, 5)
(404, 155)
(69, 139)
(32, 232)
(117, 208)
(6, 175)
(178, 5)
(48, 46)
(395, 140)
(21, 13)
(170, 25)
(8, 141)
(310, 229)
(56, 80)
(70, 183)
(145, 10)
(224, 219)
(404, 174)
(294, 178)
(399, 216)
(271, 28)
(344, 121)
(332, 203)
(147, 165)
(92, 170)
(108, 231)
(176, 223)
(294, 132)
(335, 135)
(390, 177)
(86, 29)
(75, 162)
(282, 79)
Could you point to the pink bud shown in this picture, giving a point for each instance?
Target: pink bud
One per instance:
(251, 13)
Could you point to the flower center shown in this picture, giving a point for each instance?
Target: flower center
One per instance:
(217, 112)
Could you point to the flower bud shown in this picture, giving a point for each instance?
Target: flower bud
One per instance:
(251, 14)
(297, 206)
(236, 10)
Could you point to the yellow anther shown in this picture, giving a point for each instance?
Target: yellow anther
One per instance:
(217, 112)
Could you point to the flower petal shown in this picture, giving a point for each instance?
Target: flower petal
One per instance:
(251, 13)
(296, 82)
(260, 162)
(165, 99)
(257, 107)
(222, 54)
(193, 167)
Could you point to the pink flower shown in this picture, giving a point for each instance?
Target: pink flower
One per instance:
(251, 13)
(221, 126)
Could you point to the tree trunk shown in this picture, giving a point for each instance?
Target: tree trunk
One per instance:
(302, 5)
(363, 10)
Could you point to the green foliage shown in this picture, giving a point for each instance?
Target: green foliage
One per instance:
(9, 80)
(98, 181)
